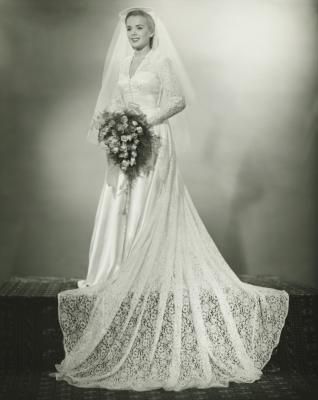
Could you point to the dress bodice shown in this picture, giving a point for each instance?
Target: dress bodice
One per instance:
(143, 87)
(154, 87)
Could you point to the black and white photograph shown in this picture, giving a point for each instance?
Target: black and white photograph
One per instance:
(159, 199)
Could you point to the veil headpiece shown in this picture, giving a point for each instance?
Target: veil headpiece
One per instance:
(120, 48)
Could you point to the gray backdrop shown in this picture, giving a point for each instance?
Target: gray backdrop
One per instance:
(251, 174)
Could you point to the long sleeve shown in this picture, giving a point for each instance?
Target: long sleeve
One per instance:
(172, 98)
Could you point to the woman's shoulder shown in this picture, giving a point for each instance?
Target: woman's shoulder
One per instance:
(159, 57)
(161, 61)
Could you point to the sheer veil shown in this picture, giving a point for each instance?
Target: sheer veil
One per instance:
(120, 48)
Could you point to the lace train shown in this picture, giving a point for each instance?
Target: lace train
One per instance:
(173, 340)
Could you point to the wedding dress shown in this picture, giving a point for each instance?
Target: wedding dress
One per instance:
(160, 307)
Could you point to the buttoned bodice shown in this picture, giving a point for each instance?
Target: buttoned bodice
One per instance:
(144, 87)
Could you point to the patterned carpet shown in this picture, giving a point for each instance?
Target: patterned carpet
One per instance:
(30, 345)
(272, 386)
(49, 286)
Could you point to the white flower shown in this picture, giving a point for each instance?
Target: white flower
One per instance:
(134, 153)
(139, 129)
(135, 123)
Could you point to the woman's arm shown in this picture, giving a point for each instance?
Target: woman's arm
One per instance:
(172, 100)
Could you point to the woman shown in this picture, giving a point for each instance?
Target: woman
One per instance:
(160, 307)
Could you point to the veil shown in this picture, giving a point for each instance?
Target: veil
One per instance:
(120, 48)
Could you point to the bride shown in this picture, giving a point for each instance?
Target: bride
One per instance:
(160, 307)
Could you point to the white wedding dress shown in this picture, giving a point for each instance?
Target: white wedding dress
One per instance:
(160, 307)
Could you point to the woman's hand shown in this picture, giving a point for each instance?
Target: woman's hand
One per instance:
(134, 107)
(151, 120)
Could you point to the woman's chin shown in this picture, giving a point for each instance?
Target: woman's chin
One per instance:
(136, 46)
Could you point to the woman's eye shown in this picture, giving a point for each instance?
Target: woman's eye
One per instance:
(139, 28)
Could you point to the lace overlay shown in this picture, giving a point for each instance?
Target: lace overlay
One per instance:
(160, 307)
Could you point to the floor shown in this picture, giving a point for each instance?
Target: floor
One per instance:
(272, 386)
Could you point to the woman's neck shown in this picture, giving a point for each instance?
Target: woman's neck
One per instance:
(141, 52)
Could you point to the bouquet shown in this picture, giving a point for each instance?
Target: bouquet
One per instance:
(129, 140)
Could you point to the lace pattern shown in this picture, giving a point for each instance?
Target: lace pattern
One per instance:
(159, 342)
(172, 99)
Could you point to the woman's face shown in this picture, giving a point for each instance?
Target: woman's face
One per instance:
(138, 31)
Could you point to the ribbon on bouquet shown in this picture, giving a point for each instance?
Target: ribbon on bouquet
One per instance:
(125, 190)
(126, 202)
(112, 179)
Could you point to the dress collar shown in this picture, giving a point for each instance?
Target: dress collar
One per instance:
(147, 56)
